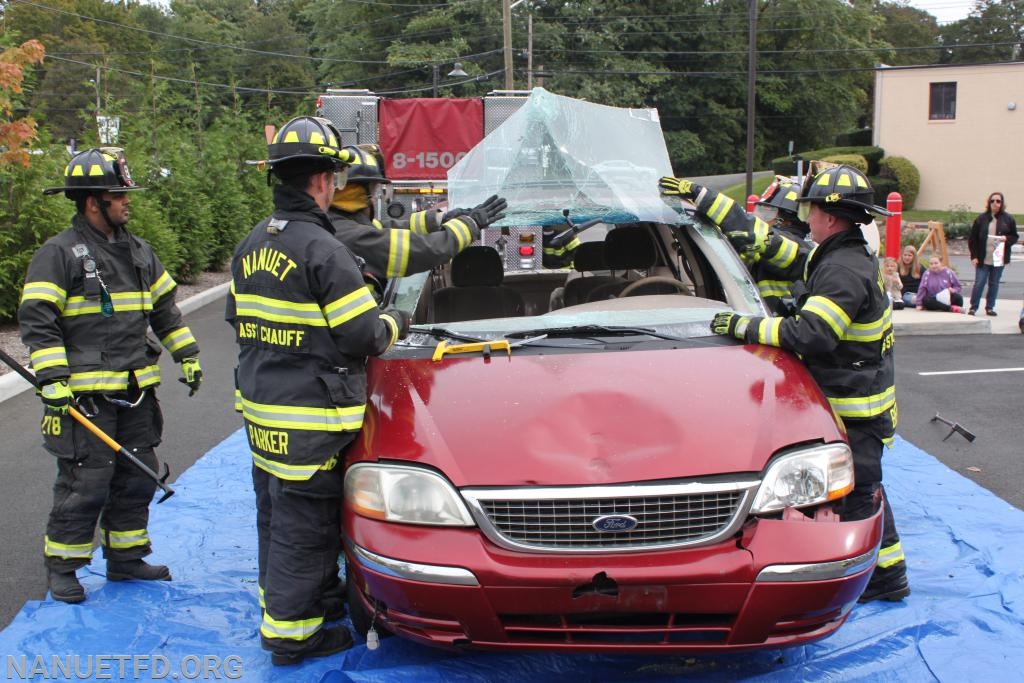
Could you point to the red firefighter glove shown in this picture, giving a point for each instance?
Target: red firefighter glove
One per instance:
(679, 187)
(192, 375)
(490, 211)
(398, 321)
(730, 324)
(57, 396)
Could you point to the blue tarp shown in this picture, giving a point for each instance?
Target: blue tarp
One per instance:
(963, 620)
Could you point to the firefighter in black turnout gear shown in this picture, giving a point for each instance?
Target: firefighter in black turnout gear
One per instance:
(305, 323)
(842, 330)
(392, 248)
(779, 209)
(91, 295)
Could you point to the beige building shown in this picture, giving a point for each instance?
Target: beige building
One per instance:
(962, 126)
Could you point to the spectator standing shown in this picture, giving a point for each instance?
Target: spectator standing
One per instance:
(990, 256)
(910, 273)
(940, 289)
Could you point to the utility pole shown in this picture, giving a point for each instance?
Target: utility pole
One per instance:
(97, 90)
(436, 78)
(529, 51)
(506, 21)
(751, 93)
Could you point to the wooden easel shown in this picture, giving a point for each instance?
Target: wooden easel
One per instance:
(936, 241)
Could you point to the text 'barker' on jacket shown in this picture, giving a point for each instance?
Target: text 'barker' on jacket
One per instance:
(305, 323)
(87, 306)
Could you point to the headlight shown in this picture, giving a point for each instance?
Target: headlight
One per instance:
(396, 493)
(806, 477)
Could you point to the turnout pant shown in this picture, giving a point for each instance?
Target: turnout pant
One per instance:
(299, 542)
(867, 449)
(96, 484)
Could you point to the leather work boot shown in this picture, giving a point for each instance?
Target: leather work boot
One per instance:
(333, 639)
(887, 583)
(64, 586)
(334, 602)
(140, 570)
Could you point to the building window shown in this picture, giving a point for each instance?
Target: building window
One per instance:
(942, 102)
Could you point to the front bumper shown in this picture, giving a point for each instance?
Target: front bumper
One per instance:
(781, 582)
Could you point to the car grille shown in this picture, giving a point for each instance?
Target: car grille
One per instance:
(534, 519)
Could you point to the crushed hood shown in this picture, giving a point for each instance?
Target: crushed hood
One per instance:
(594, 418)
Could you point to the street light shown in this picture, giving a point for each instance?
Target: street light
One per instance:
(456, 72)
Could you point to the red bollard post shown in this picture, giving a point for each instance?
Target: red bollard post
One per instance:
(751, 201)
(894, 203)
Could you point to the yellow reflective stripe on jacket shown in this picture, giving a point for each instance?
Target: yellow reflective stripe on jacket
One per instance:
(163, 284)
(462, 233)
(392, 329)
(863, 407)
(398, 252)
(872, 331)
(238, 400)
(773, 287)
(887, 557)
(123, 301)
(768, 331)
(289, 630)
(44, 291)
(333, 419)
(418, 223)
(283, 470)
(124, 539)
(147, 376)
(178, 338)
(279, 310)
(98, 380)
(828, 311)
(52, 548)
(340, 311)
(55, 356)
(785, 254)
(720, 208)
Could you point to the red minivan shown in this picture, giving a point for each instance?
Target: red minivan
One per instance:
(568, 459)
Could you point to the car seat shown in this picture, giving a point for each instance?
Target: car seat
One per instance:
(625, 248)
(589, 257)
(476, 291)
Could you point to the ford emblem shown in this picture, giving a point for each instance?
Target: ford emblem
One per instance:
(614, 523)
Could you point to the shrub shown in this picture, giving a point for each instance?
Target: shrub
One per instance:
(855, 138)
(855, 160)
(882, 187)
(908, 178)
(785, 166)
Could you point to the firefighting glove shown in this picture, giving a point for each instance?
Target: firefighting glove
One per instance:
(730, 324)
(398, 320)
(454, 213)
(679, 187)
(193, 375)
(57, 396)
(751, 241)
(490, 211)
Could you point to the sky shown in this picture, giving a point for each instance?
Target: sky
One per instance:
(945, 11)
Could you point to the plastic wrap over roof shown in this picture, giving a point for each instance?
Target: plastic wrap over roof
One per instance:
(558, 153)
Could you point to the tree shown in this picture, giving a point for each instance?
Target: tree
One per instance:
(993, 32)
(16, 133)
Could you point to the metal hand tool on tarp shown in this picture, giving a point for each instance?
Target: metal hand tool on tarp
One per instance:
(956, 428)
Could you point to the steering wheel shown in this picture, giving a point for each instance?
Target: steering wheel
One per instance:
(631, 289)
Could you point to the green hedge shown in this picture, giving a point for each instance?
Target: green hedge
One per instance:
(873, 155)
(882, 187)
(907, 177)
(856, 160)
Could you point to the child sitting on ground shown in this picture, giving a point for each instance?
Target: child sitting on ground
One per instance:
(893, 284)
(939, 289)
